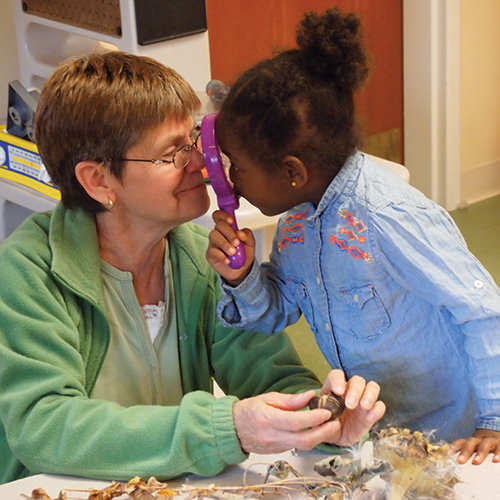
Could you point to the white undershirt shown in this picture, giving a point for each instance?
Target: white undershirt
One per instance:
(154, 316)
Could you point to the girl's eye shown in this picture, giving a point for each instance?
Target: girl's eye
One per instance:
(226, 162)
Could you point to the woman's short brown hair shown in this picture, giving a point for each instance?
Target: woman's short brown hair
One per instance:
(96, 107)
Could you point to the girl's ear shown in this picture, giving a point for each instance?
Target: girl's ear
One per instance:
(295, 170)
(94, 179)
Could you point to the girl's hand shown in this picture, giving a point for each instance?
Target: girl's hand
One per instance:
(223, 242)
(362, 407)
(482, 443)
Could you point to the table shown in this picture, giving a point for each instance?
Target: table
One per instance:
(479, 482)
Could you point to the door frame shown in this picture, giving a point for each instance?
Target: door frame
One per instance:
(431, 75)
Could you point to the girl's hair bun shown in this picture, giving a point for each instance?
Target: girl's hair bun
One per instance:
(333, 49)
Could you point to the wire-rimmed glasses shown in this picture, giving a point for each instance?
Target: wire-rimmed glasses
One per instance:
(180, 158)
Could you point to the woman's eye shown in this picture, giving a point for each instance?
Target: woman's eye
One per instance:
(167, 156)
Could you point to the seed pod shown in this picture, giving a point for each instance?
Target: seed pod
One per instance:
(332, 402)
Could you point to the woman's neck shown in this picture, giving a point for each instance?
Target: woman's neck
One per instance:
(139, 251)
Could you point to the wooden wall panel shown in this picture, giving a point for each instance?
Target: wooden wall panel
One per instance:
(101, 16)
(243, 32)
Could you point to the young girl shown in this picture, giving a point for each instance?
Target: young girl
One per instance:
(380, 272)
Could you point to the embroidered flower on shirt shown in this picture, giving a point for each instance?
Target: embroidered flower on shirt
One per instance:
(352, 234)
(293, 232)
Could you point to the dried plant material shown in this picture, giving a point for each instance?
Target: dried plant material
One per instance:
(280, 469)
(336, 466)
(40, 494)
(410, 465)
(420, 469)
(114, 490)
(355, 469)
(138, 489)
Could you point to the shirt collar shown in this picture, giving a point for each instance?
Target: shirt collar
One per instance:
(342, 184)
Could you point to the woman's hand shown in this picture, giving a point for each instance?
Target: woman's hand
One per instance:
(482, 443)
(269, 423)
(223, 242)
(362, 407)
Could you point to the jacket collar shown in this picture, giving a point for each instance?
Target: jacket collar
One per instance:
(75, 249)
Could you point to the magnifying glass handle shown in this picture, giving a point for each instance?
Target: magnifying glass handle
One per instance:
(226, 199)
(238, 259)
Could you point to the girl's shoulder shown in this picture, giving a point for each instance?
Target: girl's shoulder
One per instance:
(378, 187)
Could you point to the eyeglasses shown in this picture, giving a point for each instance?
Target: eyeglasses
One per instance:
(180, 158)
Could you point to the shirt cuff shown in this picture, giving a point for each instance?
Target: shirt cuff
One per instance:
(226, 437)
(232, 308)
(488, 423)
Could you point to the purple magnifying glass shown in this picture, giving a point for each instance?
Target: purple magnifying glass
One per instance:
(226, 199)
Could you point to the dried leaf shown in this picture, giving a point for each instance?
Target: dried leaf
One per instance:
(281, 469)
(336, 466)
(114, 490)
(138, 489)
(40, 494)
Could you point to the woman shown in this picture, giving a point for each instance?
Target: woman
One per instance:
(109, 338)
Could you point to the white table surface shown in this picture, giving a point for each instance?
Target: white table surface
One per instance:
(478, 482)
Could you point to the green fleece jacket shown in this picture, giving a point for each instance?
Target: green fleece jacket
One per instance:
(53, 339)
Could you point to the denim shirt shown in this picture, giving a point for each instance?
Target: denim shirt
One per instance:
(390, 290)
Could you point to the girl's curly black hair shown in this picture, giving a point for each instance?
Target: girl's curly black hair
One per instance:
(300, 102)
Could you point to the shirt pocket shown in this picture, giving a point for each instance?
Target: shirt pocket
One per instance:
(364, 313)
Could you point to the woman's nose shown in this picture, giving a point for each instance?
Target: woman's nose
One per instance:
(196, 162)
